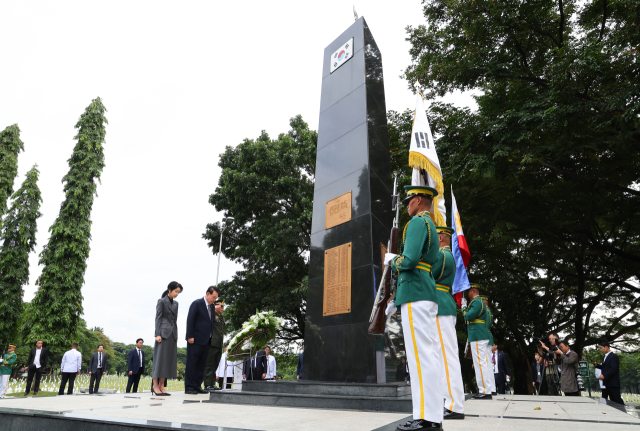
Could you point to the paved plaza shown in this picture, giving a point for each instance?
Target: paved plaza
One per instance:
(144, 411)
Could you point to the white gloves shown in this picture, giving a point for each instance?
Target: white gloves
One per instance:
(391, 309)
(463, 301)
(388, 257)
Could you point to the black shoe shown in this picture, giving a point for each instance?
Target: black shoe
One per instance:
(26, 393)
(191, 392)
(448, 414)
(201, 391)
(494, 393)
(419, 424)
(35, 393)
(212, 388)
(482, 397)
(166, 394)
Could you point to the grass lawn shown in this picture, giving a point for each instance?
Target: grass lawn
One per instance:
(40, 394)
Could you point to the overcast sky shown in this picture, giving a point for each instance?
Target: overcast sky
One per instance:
(180, 81)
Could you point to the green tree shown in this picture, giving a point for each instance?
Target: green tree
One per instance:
(10, 146)
(18, 240)
(546, 169)
(267, 186)
(57, 305)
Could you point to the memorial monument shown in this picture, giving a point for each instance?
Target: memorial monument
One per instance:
(352, 213)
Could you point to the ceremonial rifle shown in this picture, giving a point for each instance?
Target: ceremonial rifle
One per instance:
(378, 319)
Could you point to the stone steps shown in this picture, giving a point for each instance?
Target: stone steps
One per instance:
(328, 388)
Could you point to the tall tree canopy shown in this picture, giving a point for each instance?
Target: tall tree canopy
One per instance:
(10, 146)
(57, 306)
(546, 170)
(267, 186)
(18, 240)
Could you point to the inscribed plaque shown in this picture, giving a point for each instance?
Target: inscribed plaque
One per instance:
(338, 211)
(337, 280)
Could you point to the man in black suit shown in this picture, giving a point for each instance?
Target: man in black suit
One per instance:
(610, 368)
(98, 368)
(35, 364)
(256, 368)
(135, 364)
(300, 360)
(500, 369)
(199, 332)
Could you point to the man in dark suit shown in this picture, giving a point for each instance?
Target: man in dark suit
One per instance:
(537, 372)
(610, 369)
(135, 365)
(256, 368)
(299, 370)
(98, 368)
(199, 332)
(500, 369)
(35, 364)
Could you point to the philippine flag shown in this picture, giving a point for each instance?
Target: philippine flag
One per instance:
(460, 251)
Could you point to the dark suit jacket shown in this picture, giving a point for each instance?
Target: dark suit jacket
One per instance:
(503, 367)
(133, 363)
(610, 369)
(93, 363)
(260, 362)
(299, 371)
(166, 318)
(199, 325)
(43, 357)
(535, 367)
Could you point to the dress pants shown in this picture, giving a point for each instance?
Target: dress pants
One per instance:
(196, 362)
(484, 373)
(419, 324)
(4, 384)
(614, 395)
(501, 387)
(229, 380)
(71, 377)
(30, 373)
(134, 379)
(213, 360)
(95, 379)
(453, 387)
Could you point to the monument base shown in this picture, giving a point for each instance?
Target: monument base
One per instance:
(388, 397)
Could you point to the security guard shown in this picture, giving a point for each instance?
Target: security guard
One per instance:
(444, 272)
(5, 369)
(489, 323)
(416, 294)
(215, 351)
(476, 316)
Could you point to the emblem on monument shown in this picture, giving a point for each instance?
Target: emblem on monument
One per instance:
(342, 55)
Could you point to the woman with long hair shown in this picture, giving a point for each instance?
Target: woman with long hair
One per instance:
(165, 350)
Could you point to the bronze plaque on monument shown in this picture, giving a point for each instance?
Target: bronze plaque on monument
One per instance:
(337, 280)
(338, 211)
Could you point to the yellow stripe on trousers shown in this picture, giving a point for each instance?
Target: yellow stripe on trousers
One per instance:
(484, 390)
(415, 349)
(446, 367)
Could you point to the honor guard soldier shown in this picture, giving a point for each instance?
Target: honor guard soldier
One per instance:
(416, 294)
(489, 324)
(444, 272)
(476, 316)
(6, 366)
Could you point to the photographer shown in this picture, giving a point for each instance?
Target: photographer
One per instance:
(552, 373)
(569, 361)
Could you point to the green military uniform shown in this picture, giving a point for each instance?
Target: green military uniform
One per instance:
(414, 265)
(444, 272)
(7, 364)
(489, 324)
(476, 316)
(215, 351)
(9, 359)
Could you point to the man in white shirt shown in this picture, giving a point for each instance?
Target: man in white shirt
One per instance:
(70, 368)
(271, 365)
(220, 371)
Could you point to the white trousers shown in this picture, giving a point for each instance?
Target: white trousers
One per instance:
(453, 387)
(419, 324)
(4, 385)
(492, 379)
(481, 365)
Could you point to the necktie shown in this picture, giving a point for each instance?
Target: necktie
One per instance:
(140, 356)
(99, 360)
(209, 310)
(494, 359)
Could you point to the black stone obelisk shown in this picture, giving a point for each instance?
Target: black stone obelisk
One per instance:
(353, 155)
